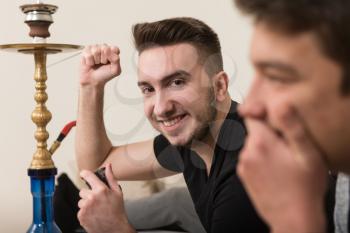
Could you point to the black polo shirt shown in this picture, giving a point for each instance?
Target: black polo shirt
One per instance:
(220, 200)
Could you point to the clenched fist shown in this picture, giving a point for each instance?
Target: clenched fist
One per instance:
(99, 64)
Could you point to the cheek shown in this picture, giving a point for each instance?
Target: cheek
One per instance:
(278, 101)
(148, 108)
(188, 96)
(315, 105)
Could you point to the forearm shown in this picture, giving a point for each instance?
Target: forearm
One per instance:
(92, 144)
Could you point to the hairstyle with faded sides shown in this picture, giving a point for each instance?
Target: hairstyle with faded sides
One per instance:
(328, 20)
(182, 30)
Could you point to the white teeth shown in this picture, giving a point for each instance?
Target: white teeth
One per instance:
(172, 122)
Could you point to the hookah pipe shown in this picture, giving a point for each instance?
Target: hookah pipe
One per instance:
(100, 173)
(64, 132)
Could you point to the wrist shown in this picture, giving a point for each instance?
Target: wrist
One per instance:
(92, 85)
(92, 89)
(129, 229)
(125, 226)
(91, 99)
(307, 219)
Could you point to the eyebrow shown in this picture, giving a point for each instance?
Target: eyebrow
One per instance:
(167, 78)
(279, 66)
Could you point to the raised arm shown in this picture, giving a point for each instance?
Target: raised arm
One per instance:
(100, 64)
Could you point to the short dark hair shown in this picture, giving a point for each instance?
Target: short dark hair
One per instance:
(328, 20)
(182, 30)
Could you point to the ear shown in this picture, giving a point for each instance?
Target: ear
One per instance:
(220, 82)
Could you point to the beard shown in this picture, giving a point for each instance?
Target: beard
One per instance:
(209, 114)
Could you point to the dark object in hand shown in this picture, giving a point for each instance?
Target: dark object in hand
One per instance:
(100, 173)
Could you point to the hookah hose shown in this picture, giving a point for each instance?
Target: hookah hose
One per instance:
(61, 136)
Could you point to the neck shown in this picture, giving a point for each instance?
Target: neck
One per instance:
(205, 147)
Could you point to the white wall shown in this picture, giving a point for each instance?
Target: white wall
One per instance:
(85, 22)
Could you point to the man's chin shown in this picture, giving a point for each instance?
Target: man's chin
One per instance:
(177, 141)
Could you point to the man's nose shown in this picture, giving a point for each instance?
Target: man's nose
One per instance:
(163, 106)
(253, 105)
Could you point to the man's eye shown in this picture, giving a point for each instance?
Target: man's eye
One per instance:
(177, 82)
(146, 90)
(281, 79)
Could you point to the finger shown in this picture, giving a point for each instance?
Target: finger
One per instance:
(112, 181)
(85, 193)
(104, 54)
(113, 58)
(92, 179)
(115, 50)
(297, 134)
(88, 59)
(260, 134)
(83, 55)
(82, 203)
(81, 215)
(87, 54)
(87, 49)
(96, 52)
(247, 168)
(114, 55)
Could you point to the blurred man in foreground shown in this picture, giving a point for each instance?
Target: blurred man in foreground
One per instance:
(298, 109)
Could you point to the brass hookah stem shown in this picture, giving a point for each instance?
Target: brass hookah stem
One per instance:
(41, 116)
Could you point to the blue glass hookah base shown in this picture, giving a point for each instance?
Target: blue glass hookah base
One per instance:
(42, 188)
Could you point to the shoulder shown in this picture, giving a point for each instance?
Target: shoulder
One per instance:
(233, 130)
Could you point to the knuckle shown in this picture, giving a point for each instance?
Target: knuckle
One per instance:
(104, 49)
(81, 193)
(102, 191)
(95, 50)
(115, 49)
(89, 56)
(91, 199)
(87, 48)
(81, 204)
(85, 53)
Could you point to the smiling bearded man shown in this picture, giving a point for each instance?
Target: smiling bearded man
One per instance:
(184, 88)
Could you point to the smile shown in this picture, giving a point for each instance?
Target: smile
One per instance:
(173, 121)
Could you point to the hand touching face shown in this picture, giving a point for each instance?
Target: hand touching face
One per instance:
(284, 173)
